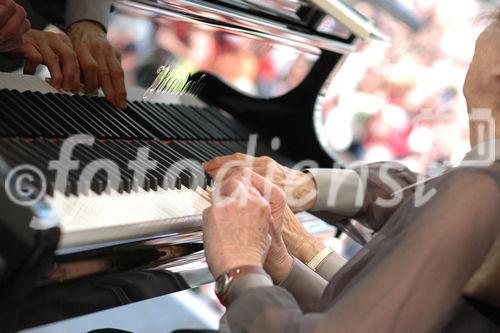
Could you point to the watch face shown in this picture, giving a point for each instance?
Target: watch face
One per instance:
(220, 284)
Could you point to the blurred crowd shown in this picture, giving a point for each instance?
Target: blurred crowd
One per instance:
(404, 102)
(401, 101)
(254, 66)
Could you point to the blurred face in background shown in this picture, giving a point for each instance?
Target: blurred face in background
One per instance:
(482, 84)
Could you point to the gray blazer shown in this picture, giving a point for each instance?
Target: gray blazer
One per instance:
(409, 278)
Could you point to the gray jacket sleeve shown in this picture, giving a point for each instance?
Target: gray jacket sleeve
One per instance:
(368, 193)
(93, 10)
(65, 12)
(409, 280)
(305, 285)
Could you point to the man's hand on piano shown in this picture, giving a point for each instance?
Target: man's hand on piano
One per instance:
(13, 25)
(236, 227)
(55, 51)
(99, 61)
(299, 187)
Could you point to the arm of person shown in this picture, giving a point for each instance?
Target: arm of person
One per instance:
(306, 282)
(412, 283)
(88, 10)
(85, 23)
(64, 13)
(368, 193)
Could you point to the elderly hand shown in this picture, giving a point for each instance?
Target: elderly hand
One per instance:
(99, 61)
(278, 261)
(13, 25)
(236, 227)
(298, 241)
(53, 50)
(299, 187)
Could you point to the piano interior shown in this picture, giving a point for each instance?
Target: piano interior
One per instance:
(121, 240)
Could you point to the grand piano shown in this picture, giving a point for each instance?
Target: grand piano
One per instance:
(85, 246)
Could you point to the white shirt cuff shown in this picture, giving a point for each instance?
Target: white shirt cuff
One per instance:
(340, 191)
(93, 10)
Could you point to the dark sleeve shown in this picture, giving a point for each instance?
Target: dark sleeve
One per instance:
(267, 309)
(51, 10)
(63, 13)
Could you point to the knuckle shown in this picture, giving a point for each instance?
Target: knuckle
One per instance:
(118, 71)
(101, 44)
(122, 95)
(264, 206)
(52, 58)
(69, 76)
(70, 54)
(64, 38)
(11, 7)
(21, 11)
(237, 172)
(239, 156)
(80, 46)
(231, 182)
(103, 70)
(90, 66)
(26, 25)
(34, 57)
(267, 160)
(279, 191)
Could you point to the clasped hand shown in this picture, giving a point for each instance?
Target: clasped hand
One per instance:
(250, 221)
(244, 226)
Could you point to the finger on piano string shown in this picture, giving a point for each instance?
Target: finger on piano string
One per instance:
(151, 123)
(63, 113)
(87, 125)
(238, 131)
(175, 172)
(223, 130)
(104, 117)
(103, 130)
(213, 132)
(123, 118)
(196, 129)
(167, 121)
(120, 153)
(13, 122)
(17, 114)
(48, 127)
(52, 113)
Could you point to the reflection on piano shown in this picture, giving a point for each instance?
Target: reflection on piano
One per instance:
(116, 239)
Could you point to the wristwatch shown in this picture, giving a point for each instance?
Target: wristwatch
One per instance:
(223, 282)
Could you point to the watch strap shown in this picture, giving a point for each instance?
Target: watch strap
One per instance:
(234, 274)
(318, 259)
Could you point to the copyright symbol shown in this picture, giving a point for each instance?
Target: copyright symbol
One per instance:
(25, 185)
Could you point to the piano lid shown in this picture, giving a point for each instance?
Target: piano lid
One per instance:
(297, 23)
